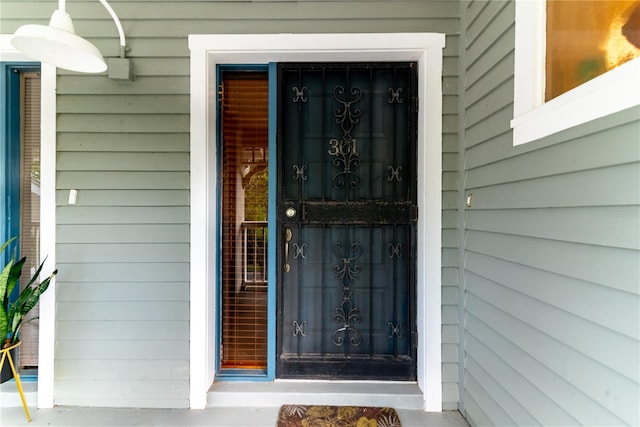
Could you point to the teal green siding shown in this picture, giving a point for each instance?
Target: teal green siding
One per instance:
(552, 253)
(122, 332)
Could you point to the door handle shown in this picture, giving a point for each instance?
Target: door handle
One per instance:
(287, 238)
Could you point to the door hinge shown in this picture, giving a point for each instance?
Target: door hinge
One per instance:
(414, 213)
(414, 339)
(220, 93)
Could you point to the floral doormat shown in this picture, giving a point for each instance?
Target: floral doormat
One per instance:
(337, 416)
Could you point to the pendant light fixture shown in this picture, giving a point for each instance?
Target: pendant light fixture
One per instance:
(58, 44)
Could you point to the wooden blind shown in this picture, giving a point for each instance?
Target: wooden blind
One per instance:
(244, 210)
(30, 204)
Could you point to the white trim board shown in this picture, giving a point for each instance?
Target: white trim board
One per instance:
(47, 216)
(207, 51)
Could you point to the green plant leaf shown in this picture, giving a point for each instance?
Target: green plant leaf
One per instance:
(30, 296)
(7, 243)
(37, 273)
(16, 322)
(5, 288)
(26, 301)
(14, 275)
(4, 325)
(4, 280)
(12, 315)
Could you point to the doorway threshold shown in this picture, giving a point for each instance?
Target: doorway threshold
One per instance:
(399, 395)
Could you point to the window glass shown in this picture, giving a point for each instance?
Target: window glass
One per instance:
(586, 38)
(245, 118)
(30, 204)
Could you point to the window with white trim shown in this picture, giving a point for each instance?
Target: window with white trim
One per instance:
(613, 89)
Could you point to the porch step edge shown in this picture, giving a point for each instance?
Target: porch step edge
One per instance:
(9, 396)
(275, 394)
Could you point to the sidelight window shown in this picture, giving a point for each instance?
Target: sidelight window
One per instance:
(244, 118)
(20, 181)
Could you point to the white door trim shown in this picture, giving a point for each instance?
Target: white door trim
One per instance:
(47, 216)
(207, 51)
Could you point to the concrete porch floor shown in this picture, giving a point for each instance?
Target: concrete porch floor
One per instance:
(213, 417)
(229, 405)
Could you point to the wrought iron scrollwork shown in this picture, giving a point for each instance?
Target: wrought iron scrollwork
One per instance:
(298, 328)
(344, 150)
(347, 313)
(395, 250)
(394, 95)
(299, 172)
(395, 329)
(394, 173)
(299, 250)
(300, 95)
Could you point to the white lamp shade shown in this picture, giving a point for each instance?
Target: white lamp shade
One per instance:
(57, 44)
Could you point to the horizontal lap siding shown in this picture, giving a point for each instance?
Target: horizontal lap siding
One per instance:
(450, 244)
(123, 250)
(552, 254)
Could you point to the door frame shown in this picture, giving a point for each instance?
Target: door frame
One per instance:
(208, 51)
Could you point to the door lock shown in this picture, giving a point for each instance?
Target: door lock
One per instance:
(290, 212)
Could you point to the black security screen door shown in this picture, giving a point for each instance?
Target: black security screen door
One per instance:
(346, 221)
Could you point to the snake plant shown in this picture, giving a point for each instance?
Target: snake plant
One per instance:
(12, 314)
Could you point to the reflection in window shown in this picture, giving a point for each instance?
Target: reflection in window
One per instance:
(586, 38)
